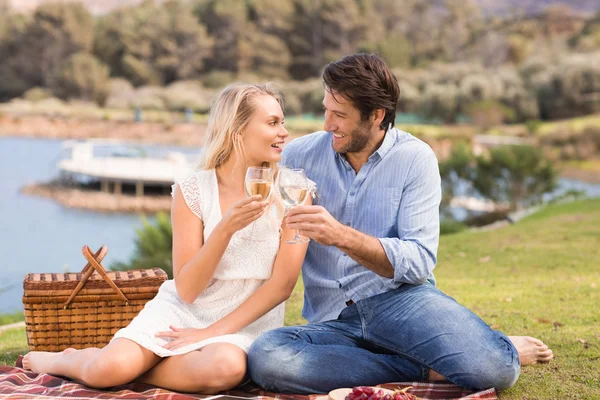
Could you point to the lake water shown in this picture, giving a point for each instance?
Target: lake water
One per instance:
(39, 235)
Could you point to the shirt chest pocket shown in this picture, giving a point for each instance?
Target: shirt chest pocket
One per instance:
(378, 213)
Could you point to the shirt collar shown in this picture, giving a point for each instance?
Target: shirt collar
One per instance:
(388, 142)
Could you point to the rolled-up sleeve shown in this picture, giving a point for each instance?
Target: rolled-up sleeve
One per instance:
(413, 254)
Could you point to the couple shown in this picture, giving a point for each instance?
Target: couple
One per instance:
(374, 312)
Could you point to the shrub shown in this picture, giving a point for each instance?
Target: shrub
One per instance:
(440, 101)
(120, 94)
(489, 113)
(449, 226)
(533, 125)
(183, 95)
(36, 94)
(218, 79)
(153, 247)
(149, 98)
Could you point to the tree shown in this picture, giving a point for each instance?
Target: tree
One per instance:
(462, 22)
(570, 87)
(56, 32)
(589, 37)
(457, 173)
(325, 30)
(519, 175)
(153, 44)
(270, 23)
(440, 101)
(15, 66)
(226, 21)
(153, 247)
(83, 76)
(35, 48)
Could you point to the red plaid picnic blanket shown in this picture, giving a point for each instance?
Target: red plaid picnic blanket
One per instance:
(17, 383)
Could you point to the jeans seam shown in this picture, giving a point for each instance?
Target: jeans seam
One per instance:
(363, 324)
(425, 368)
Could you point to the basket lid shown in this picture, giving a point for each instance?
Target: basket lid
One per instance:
(125, 279)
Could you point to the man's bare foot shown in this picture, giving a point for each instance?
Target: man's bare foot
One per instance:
(531, 350)
(42, 361)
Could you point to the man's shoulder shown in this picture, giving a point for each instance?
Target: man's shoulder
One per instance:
(412, 145)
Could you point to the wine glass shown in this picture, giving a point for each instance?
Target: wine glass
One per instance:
(293, 188)
(258, 181)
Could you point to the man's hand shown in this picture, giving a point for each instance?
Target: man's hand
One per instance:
(183, 337)
(316, 223)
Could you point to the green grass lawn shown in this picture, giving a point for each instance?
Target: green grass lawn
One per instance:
(577, 124)
(540, 278)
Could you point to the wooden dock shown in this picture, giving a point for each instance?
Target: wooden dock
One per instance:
(114, 171)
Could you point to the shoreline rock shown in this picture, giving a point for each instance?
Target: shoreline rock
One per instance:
(584, 175)
(99, 201)
(42, 127)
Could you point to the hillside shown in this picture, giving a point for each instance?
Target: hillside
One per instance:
(490, 7)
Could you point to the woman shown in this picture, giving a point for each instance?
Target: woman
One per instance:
(232, 269)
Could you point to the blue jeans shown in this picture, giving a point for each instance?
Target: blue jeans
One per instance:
(392, 337)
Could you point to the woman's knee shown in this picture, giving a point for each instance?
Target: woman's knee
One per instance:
(227, 369)
(120, 362)
(106, 371)
(230, 366)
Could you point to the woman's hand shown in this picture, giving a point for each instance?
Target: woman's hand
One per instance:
(243, 212)
(183, 336)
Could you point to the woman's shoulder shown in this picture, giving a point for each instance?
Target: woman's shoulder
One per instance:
(195, 187)
(200, 176)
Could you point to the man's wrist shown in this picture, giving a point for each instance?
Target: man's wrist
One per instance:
(343, 237)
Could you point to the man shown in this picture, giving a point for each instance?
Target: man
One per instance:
(374, 312)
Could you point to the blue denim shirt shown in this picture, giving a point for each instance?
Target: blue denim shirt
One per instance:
(395, 197)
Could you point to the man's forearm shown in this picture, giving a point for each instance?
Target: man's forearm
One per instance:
(366, 250)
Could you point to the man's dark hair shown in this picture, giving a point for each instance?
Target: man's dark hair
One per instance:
(367, 82)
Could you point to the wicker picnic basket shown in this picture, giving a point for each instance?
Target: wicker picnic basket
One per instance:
(84, 309)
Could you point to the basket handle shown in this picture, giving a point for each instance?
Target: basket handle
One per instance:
(94, 265)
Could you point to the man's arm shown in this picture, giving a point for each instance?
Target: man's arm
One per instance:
(367, 251)
(414, 252)
(316, 223)
(411, 256)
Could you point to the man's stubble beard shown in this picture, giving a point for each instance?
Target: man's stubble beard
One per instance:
(359, 138)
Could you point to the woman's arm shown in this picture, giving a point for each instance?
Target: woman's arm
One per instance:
(195, 260)
(273, 292)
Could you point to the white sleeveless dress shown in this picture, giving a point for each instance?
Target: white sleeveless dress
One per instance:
(245, 266)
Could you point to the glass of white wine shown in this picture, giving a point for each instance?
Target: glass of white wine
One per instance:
(258, 181)
(293, 188)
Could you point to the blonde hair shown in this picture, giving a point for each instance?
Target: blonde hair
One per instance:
(229, 115)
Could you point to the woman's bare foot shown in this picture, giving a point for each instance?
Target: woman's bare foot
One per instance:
(435, 376)
(42, 361)
(531, 350)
